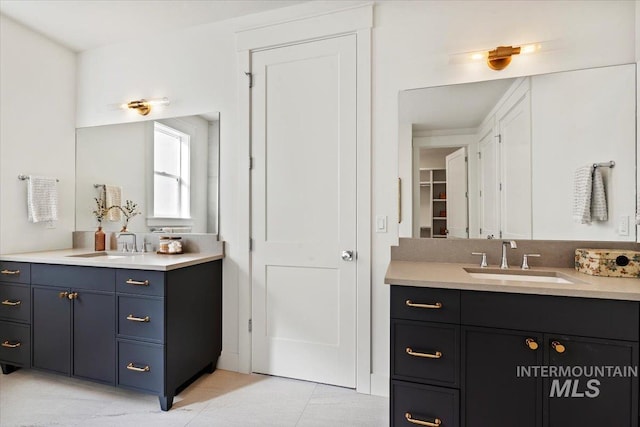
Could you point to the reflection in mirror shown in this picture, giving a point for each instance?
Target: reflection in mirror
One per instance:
(168, 167)
(497, 159)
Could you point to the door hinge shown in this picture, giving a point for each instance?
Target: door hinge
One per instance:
(467, 230)
(499, 136)
(479, 154)
(500, 186)
(481, 231)
(501, 234)
(250, 163)
(466, 158)
(250, 326)
(480, 193)
(250, 75)
(466, 195)
(250, 244)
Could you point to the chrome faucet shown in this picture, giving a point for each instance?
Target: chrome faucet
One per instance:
(503, 262)
(124, 245)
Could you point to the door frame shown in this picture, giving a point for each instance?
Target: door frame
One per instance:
(355, 20)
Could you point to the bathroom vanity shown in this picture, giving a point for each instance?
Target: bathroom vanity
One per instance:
(146, 322)
(472, 351)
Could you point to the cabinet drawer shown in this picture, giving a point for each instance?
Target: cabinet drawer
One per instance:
(15, 344)
(433, 305)
(15, 302)
(15, 272)
(141, 366)
(590, 317)
(423, 403)
(71, 276)
(143, 282)
(425, 352)
(141, 317)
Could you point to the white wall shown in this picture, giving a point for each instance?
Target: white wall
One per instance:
(412, 42)
(37, 135)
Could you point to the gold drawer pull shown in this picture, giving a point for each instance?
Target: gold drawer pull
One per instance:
(138, 319)
(531, 343)
(410, 303)
(10, 272)
(135, 368)
(558, 347)
(435, 423)
(136, 282)
(436, 355)
(11, 303)
(9, 345)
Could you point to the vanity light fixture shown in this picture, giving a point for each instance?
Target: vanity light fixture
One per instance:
(143, 106)
(500, 57)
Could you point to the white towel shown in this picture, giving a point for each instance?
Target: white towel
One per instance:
(113, 197)
(582, 185)
(598, 197)
(42, 198)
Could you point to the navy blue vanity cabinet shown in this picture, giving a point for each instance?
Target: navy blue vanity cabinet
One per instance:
(169, 327)
(74, 321)
(500, 336)
(425, 357)
(505, 332)
(15, 316)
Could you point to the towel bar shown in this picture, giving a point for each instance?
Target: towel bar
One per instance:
(25, 177)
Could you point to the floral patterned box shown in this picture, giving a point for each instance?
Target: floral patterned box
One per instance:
(608, 262)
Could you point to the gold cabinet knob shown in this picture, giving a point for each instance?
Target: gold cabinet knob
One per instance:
(73, 295)
(558, 347)
(531, 343)
(63, 294)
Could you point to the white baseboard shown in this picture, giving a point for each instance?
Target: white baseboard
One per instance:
(229, 362)
(380, 385)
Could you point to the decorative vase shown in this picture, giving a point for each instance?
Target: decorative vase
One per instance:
(100, 240)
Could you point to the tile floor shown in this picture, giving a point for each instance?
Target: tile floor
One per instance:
(32, 398)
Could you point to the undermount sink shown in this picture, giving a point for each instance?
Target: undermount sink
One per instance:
(105, 255)
(520, 275)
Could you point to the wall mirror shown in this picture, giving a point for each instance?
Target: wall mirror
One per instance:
(169, 167)
(497, 159)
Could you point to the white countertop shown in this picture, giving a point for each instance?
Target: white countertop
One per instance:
(453, 276)
(139, 261)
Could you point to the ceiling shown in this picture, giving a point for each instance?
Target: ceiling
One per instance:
(461, 106)
(85, 24)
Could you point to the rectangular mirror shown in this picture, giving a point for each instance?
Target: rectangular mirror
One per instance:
(497, 159)
(168, 167)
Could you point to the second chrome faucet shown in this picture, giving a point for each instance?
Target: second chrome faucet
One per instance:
(504, 264)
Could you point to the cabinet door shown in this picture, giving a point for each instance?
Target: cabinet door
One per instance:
(494, 394)
(51, 329)
(94, 345)
(585, 398)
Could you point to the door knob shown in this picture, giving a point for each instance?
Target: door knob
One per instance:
(347, 255)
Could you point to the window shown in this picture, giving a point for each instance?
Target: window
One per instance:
(171, 173)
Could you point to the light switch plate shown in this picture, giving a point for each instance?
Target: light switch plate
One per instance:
(381, 224)
(623, 225)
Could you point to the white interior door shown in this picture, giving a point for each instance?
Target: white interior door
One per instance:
(457, 209)
(489, 174)
(514, 125)
(304, 211)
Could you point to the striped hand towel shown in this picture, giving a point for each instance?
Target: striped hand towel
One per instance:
(598, 197)
(113, 197)
(582, 185)
(42, 198)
